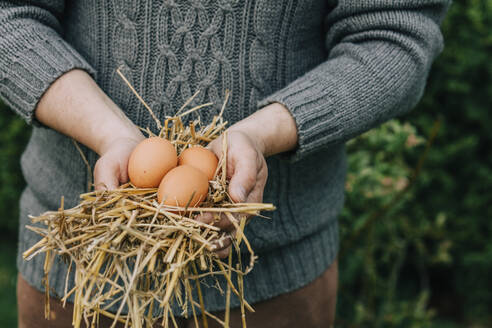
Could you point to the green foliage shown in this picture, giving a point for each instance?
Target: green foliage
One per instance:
(384, 249)
(8, 279)
(457, 180)
(14, 134)
(424, 258)
(416, 244)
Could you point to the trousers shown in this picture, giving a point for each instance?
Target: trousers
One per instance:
(312, 306)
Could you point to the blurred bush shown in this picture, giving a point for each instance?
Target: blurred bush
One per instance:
(425, 257)
(14, 134)
(416, 243)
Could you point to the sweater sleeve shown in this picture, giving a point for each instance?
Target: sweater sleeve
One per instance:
(33, 53)
(379, 57)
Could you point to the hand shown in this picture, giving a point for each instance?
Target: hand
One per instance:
(75, 106)
(247, 172)
(267, 132)
(111, 168)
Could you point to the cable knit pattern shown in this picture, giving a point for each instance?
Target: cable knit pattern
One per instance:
(124, 47)
(339, 66)
(195, 46)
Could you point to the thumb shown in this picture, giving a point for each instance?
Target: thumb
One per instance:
(243, 180)
(105, 175)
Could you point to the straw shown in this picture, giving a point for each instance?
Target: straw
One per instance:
(128, 250)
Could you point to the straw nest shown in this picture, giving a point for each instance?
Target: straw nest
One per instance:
(129, 250)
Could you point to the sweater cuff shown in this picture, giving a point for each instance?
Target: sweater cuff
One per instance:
(33, 65)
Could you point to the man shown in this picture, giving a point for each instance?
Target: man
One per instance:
(305, 77)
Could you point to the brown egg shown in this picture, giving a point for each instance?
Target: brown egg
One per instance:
(200, 158)
(180, 184)
(150, 161)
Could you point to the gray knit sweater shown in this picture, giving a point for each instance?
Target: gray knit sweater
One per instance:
(340, 67)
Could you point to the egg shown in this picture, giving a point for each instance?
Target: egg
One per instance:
(200, 158)
(181, 184)
(150, 161)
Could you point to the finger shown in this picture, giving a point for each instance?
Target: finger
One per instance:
(207, 217)
(105, 176)
(243, 179)
(225, 223)
(219, 220)
(224, 253)
(123, 174)
(221, 243)
(216, 147)
(256, 195)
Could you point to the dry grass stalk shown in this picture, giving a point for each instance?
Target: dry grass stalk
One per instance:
(127, 249)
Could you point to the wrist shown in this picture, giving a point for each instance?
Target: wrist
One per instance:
(75, 106)
(273, 128)
(118, 134)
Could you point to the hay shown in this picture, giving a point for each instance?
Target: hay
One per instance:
(128, 249)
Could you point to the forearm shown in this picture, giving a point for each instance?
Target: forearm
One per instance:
(273, 127)
(379, 56)
(75, 106)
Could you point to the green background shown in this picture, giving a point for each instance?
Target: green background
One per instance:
(416, 245)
